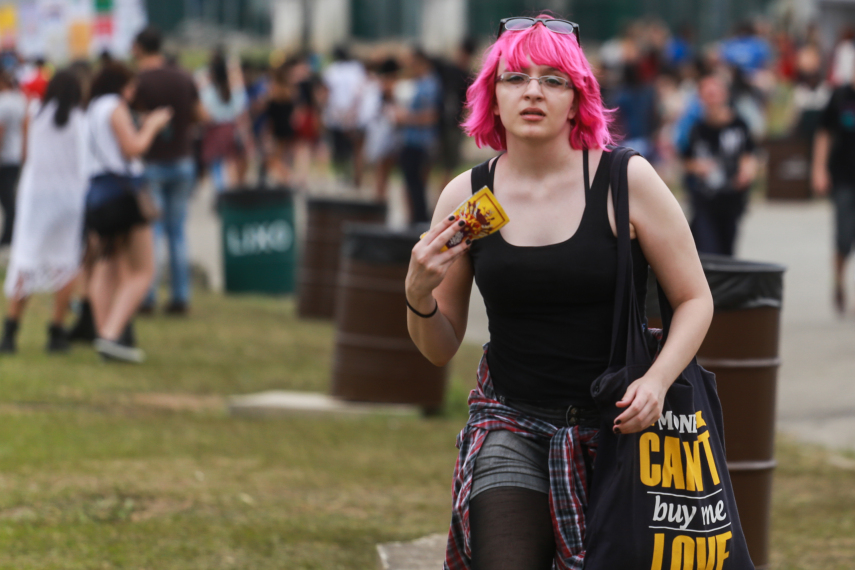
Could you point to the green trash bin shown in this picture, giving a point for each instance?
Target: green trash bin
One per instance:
(258, 240)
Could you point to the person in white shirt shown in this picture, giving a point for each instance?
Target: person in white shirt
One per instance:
(345, 80)
(226, 105)
(13, 109)
(47, 245)
(119, 230)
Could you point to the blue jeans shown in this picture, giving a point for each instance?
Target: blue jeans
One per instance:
(171, 185)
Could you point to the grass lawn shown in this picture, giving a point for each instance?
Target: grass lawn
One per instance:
(112, 466)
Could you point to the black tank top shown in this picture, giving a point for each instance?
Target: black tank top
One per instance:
(550, 307)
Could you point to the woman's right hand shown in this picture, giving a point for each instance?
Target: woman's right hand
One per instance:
(429, 264)
(159, 118)
(820, 181)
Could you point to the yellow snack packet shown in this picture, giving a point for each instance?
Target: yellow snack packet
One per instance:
(483, 216)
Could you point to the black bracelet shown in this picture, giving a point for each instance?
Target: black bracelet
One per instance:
(422, 315)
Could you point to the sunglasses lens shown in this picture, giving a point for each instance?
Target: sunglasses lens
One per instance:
(559, 26)
(517, 24)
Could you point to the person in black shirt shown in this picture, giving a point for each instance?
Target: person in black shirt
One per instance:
(548, 279)
(833, 160)
(280, 120)
(720, 168)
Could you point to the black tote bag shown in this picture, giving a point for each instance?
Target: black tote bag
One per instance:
(660, 498)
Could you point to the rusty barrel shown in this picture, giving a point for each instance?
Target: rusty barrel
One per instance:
(788, 173)
(741, 349)
(325, 219)
(375, 360)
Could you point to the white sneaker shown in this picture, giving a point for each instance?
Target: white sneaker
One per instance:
(110, 350)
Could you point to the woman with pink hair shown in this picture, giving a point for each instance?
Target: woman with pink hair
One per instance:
(548, 280)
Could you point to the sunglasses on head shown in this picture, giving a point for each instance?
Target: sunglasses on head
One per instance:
(553, 25)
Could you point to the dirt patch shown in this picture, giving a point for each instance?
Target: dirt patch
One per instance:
(20, 513)
(160, 507)
(179, 402)
(171, 402)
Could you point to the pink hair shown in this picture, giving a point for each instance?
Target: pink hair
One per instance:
(590, 128)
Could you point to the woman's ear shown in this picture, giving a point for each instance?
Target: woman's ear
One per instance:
(574, 110)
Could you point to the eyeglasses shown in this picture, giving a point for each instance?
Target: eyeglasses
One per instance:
(553, 25)
(551, 83)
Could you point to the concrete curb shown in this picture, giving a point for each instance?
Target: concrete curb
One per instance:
(282, 402)
(426, 553)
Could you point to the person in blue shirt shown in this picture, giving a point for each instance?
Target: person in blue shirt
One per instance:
(419, 124)
(746, 50)
(637, 111)
(678, 50)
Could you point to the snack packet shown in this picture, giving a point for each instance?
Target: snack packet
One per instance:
(483, 216)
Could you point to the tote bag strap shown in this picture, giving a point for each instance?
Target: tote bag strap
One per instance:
(626, 313)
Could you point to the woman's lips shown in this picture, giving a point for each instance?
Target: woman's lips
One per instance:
(533, 114)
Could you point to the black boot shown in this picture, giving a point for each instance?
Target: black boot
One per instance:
(10, 331)
(57, 339)
(84, 329)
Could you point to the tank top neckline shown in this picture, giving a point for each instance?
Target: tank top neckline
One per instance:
(589, 186)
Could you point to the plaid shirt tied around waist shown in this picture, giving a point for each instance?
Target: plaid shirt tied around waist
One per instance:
(568, 485)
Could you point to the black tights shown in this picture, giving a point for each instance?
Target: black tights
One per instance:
(511, 529)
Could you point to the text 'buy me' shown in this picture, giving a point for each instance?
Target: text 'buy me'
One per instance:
(675, 461)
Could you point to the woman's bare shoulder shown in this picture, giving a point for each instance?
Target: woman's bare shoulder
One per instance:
(458, 190)
(645, 184)
(651, 202)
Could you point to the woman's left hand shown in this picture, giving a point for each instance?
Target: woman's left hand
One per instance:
(643, 400)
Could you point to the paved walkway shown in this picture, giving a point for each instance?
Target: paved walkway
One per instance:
(816, 396)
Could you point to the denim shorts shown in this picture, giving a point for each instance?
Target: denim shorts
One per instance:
(112, 208)
(507, 459)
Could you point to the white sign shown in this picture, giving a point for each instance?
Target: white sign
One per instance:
(259, 238)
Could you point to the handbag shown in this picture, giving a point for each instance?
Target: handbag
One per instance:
(660, 498)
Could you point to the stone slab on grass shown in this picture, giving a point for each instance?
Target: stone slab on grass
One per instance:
(282, 402)
(426, 553)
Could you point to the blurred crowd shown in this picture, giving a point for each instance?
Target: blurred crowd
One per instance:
(98, 163)
(703, 116)
(99, 160)
(399, 107)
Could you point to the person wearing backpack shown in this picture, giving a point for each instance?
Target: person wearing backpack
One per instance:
(548, 279)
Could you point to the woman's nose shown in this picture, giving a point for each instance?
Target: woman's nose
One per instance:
(533, 89)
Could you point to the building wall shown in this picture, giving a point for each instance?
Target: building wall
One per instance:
(328, 23)
(833, 16)
(444, 25)
(439, 25)
(287, 24)
(250, 16)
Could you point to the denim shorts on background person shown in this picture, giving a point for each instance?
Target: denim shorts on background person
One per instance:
(844, 218)
(111, 205)
(510, 460)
